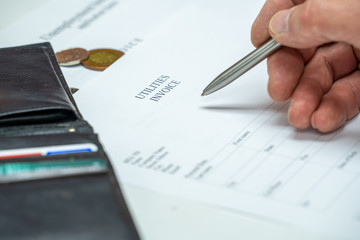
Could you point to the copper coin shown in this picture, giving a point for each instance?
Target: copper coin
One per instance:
(71, 57)
(100, 59)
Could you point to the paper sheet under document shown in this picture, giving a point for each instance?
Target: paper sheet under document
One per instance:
(233, 149)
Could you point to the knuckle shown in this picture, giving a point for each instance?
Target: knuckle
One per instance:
(277, 4)
(311, 16)
(354, 87)
(348, 93)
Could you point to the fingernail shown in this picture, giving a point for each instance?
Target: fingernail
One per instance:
(279, 22)
(291, 106)
(313, 122)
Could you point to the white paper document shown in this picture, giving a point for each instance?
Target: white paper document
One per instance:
(115, 24)
(233, 149)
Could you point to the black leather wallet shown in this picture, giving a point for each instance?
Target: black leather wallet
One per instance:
(56, 181)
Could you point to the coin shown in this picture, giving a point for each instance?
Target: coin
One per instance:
(100, 59)
(71, 57)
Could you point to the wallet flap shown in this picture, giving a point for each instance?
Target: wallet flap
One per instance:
(32, 87)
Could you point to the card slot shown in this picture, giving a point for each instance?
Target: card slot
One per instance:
(47, 167)
(37, 116)
(71, 127)
(18, 142)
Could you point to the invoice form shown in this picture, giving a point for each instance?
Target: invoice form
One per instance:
(233, 149)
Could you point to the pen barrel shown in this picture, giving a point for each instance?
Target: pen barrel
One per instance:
(252, 59)
(242, 66)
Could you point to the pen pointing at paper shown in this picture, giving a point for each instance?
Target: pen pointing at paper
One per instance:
(318, 66)
(242, 66)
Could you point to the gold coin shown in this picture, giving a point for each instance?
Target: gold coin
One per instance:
(100, 59)
(71, 57)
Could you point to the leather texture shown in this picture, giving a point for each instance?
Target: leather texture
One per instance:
(37, 110)
(32, 87)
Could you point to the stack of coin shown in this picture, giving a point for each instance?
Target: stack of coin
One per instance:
(97, 59)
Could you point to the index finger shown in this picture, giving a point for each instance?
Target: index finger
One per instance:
(260, 27)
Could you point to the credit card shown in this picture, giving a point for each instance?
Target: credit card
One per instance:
(48, 150)
(34, 170)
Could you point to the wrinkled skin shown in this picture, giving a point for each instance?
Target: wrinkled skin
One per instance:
(318, 69)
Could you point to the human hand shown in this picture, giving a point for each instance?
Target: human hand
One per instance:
(319, 67)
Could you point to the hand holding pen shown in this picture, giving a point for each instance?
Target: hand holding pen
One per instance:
(319, 67)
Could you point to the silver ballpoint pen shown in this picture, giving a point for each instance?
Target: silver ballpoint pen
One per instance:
(242, 66)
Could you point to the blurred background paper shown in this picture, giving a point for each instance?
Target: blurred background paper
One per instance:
(115, 24)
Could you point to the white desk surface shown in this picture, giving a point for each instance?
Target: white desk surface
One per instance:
(162, 217)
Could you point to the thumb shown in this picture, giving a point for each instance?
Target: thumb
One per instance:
(316, 22)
